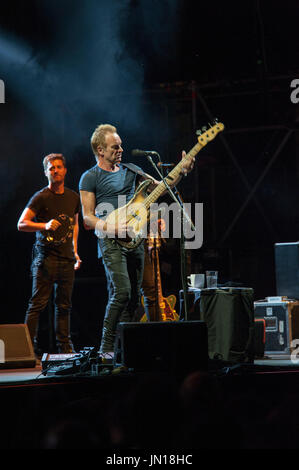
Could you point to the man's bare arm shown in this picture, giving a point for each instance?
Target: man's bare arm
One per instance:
(27, 224)
(75, 242)
(91, 222)
(88, 202)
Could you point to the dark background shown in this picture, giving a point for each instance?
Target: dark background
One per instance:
(158, 70)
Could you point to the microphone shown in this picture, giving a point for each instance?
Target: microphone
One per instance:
(143, 153)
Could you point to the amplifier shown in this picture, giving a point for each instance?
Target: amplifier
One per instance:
(281, 324)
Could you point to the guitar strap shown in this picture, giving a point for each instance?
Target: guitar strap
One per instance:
(135, 169)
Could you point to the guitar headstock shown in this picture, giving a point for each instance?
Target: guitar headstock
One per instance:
(209, 134)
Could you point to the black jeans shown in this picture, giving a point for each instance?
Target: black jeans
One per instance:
(49, 272)
(124, 271)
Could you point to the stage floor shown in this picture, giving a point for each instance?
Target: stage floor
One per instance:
(20, 375)
(31, 376)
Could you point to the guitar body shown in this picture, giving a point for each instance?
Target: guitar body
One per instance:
(166, 309)
(136, 216)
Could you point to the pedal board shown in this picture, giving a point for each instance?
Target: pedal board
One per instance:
(86, 362)
(57, 360)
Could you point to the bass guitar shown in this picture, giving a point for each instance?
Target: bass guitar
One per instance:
(137, 212)
(164, 306)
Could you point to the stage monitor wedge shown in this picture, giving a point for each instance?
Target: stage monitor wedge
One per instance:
(178, 347)
(16, 350)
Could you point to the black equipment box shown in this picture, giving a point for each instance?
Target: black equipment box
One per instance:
(229, 315)
(172, 346)
(282, 324)
(287, 269)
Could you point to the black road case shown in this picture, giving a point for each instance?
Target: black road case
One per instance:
(282, 324)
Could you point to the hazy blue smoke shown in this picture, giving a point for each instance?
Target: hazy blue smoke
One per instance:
(87, 69)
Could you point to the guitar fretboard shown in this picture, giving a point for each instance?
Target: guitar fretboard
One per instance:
(172, 176)
(175, 173)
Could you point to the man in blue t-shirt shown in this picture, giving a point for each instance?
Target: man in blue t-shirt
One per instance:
(103, 188)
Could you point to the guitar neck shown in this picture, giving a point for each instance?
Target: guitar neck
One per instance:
(159, 283)
(172, 176)
(203, 139)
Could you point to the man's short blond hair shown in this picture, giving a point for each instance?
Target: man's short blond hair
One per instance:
(98, 137)
(53, 156)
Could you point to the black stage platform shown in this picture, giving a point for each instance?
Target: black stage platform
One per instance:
(34, 376)
(227, 406)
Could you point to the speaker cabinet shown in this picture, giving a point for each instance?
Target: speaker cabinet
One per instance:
(16, 348)
(178, 347)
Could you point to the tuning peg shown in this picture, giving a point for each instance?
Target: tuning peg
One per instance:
(216, 120)
(204, 129)
(198, 132)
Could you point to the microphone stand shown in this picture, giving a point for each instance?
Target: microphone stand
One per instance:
(177, 198)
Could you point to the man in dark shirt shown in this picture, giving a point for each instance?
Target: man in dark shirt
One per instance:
(52, 213)
(105, 187)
